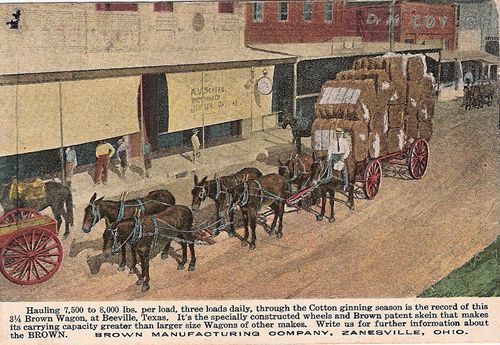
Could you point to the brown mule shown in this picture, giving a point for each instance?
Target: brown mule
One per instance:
(143, 232)
(297, 169)
(252, 195)
(112, 211)
(216, 188)
(319, 171)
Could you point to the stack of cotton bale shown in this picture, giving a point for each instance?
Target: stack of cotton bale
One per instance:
(383, 103)
(421, 103)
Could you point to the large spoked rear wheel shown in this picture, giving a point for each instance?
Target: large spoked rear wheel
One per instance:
(31, 256)
(372, 177)
(418, 158)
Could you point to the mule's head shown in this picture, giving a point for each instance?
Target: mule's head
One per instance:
(199, 192)
(287, 170)
(318, 169)
(91, 215)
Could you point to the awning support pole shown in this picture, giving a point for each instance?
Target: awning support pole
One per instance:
(439, 74)
(61, 150)
(294, 103)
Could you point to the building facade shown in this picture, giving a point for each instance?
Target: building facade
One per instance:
(75, 74)
(414, 22)
(293, 21)
(322, 21)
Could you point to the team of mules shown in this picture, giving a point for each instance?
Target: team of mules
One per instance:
(143, 223)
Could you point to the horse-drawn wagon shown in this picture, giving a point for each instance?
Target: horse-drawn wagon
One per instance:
(384, 107)
(30, 251)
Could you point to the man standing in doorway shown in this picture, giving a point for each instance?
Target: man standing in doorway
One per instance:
(71, 163)
(123, 155)
(195, 143)
(103, 153)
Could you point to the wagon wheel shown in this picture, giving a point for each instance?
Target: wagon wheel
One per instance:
(19, 214)
(418, 158)
(372, 176)
(31, 256)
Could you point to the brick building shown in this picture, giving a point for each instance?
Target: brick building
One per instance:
(322, 21)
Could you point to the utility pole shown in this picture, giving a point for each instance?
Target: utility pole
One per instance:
(391, 25)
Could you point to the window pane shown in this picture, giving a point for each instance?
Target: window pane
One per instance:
(127, 6)
(328, 9)
(283, 10)
(257, 11)
(307, 10)
(164, 6)
(226, 7)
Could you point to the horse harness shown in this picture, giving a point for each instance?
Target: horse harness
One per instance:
(123, 206)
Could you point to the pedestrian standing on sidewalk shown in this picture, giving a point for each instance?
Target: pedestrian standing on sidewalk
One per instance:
(71, 163)
(195, 143)
(123, 155)
(103, 153)
(148, 161)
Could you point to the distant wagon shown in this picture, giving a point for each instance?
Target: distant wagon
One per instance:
(30, 251)
(385, 105)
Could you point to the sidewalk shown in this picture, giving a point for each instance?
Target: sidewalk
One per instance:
(169, 168)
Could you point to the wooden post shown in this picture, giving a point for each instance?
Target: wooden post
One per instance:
(391, 25)
(61, 150)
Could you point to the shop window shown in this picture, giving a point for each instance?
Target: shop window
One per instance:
(328, 11)
(258, 11)
(283, 11)
(307, 14)
(164, 6)
(226, 7)
(117, 6)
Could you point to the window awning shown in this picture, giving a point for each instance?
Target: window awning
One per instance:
(36, 117)
(28, 69)
(450, 56)
(313, 51)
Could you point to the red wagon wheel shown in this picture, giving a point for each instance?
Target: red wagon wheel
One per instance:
(18, 214)
(418, 158)
(372, 176)
(31, 256)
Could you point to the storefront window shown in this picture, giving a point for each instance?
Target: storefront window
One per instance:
(283, 11)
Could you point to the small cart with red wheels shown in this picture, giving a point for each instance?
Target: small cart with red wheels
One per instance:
(30, 251)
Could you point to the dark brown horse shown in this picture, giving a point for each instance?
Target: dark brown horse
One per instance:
(325, 185)
(112, 211)
(252, 195)
(216, 188)
(143, 232)
(57, 196)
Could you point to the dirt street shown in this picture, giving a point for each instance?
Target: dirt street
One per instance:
(410, 236)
